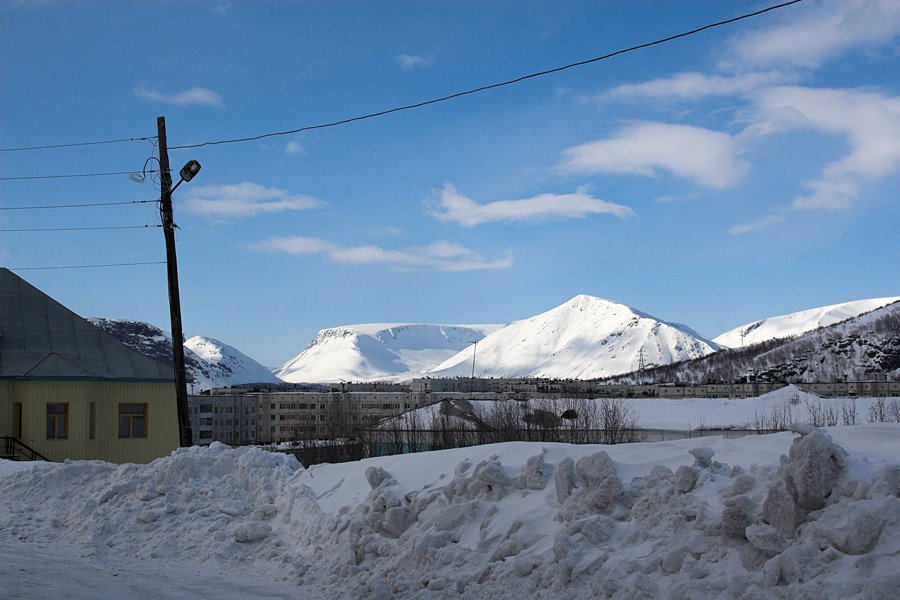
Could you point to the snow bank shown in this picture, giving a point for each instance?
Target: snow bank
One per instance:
(700, 518)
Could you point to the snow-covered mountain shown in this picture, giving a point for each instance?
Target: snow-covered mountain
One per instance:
(585, 338)
(210, 363)
(378, 351)
(861, 348)
(222, 365)
(792, 324)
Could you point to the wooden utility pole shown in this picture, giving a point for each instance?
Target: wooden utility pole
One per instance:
(168, 223)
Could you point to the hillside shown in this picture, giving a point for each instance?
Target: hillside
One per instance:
(861, 348)
(798, 322)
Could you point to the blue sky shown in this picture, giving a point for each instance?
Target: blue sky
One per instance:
(747, 171)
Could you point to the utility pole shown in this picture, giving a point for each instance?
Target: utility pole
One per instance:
(168, 222)
(641, 364)
(472, 379)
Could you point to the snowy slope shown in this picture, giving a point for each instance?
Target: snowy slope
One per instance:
(861, 348)
(223, 365)
(378, 351)
(694, 518)
(799, 322)
(585, 338)
(209, 362)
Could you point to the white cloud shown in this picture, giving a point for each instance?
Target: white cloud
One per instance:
(439, 256)
(244, 199)
(294, 147)
(755, 225)
(196, 96)
(695, 85)
(870, 121)
(708, 157)
(413, 61)
(450, 205)
(815, 33)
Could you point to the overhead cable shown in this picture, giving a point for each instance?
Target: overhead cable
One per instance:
(131, 264)
(85, 205)
(80, 228)
(73, 145)
(68, 176)
(488, 87)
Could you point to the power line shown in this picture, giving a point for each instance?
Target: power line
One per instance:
(131, 264)
(71, 175)
(73, 145)
(91, 204)
(79, 228)
(488, 87)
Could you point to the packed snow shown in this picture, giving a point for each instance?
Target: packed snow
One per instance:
(797, 323)
(584, 338)
(804, 514)
(378, 351)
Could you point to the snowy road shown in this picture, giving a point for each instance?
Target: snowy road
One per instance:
(30, 571)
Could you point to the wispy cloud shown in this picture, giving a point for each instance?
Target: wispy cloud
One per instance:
(413, 61)
(693, 85)
(815, 33)
(870, 121)
(196, 96)
(708, 157)
(294, 147)
(244, 199)
(439, 256)
(450, 205)
(755, 225)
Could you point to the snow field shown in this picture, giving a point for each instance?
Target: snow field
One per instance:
(814, 515)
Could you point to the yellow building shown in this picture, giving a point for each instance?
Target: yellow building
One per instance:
(70, 390)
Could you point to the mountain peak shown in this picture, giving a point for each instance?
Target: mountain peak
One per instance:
(584, 338)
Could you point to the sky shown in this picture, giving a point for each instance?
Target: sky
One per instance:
(746, 171)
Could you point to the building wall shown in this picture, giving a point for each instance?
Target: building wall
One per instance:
(34, 396)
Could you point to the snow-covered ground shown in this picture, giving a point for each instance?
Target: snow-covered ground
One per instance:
(695, 518)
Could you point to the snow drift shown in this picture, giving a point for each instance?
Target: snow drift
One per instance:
(504, 521)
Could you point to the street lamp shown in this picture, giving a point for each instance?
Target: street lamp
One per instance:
(187, 173)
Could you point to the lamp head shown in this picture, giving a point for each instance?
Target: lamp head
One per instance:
(189, 170)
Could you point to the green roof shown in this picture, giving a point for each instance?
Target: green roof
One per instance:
(42, 339)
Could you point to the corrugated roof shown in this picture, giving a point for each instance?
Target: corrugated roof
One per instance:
(42, 339)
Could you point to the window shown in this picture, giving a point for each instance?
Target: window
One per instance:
(92, 422)
(132, 420)
(57, 421)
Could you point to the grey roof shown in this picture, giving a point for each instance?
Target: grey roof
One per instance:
(42, 339)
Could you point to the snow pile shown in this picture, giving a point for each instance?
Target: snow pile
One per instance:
(198, 503)
(506, 521)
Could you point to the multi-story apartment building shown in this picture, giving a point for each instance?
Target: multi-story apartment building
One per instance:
(231, 419)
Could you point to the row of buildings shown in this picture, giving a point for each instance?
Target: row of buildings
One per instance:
(268, 414)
